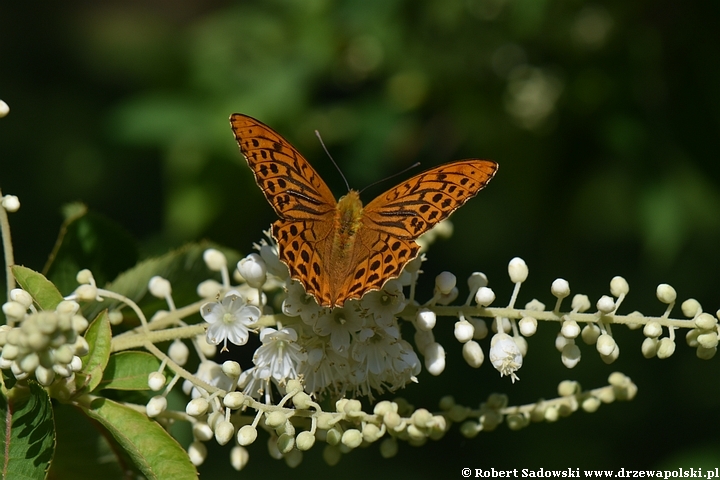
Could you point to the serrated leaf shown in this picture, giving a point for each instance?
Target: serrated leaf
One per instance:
(152, 449)
(129, 371)
(28, 434)
(99, 339)
(89, 240)
(42, 290)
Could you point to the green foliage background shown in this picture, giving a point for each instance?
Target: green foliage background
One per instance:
(603, 116)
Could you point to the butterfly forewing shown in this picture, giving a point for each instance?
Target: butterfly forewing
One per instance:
(312, 234)
(290, 184)
(417, 204)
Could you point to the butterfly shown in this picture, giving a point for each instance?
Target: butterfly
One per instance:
(340, 250)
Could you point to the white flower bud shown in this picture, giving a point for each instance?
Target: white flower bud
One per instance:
(156, 406)
(705, 353)
(84, 276)
(388, 448)
(22, 297)
(665, 293)
(45, 376)
(666, 348)
(14, 310)
(590, 333)
(484, 296)
(67, 307)
(156, 381)
(608, 359)
(606, 304)
(209, 288)
(352, 438)
(197, 407)
(481, 329)
(159, 287)
(705, 321)
(224, 431)
(4, 109)
(473, 354)
(178, 352)
(464, 331)
(619, 286)
(30, 362)
(207, 349)
(79, 323)
(518, 270)
(528, 326)
(86, 292)
(423, 340)
(708, 340)
(477, 280)
(214, 259)
(305, 441)
(434, 359)
(605, 344)
(649, 347)
(691, 307)
(560, 288)
(246, 435)
(234, 400)
(445, 282)
(252, 268)
(202, 431)
(197, 451)
(570, 329)
(652, 329)
(115, 317)
(81, 346)
(570, 355)
(562, 341)
(580, 303)
(76, 364)
(10, 203)
(425, 319)
(239, 457)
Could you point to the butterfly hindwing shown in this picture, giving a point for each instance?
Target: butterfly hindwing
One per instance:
(290, 184)
(417, 204)
(382, 257)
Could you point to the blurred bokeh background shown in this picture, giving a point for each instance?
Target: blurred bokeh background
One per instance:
(603, 116)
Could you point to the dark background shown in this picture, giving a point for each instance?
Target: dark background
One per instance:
(603, 116)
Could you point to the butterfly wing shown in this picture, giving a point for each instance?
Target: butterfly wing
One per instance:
(394, 220)
(290, 184)
(416, 205)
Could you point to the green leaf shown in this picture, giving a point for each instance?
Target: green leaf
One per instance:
(129, 371)
(77, 433)
(40, 288)
(152, 449)
(89, 240)
(99, 338)
(28, 434)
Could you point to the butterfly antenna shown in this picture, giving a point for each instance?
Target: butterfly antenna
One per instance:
(391, 176)
(333, 160)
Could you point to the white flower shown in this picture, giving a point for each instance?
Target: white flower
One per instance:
(340, 323)
(298, 302)
(229, 319)
(211, 373)
(386, 303)
(279, 355)
(505, 355)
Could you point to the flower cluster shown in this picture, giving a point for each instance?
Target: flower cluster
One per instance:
(44, 344)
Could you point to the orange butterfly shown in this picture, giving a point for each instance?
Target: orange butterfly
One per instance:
(340, 250)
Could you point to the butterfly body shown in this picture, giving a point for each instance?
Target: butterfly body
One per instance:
(341, 250)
